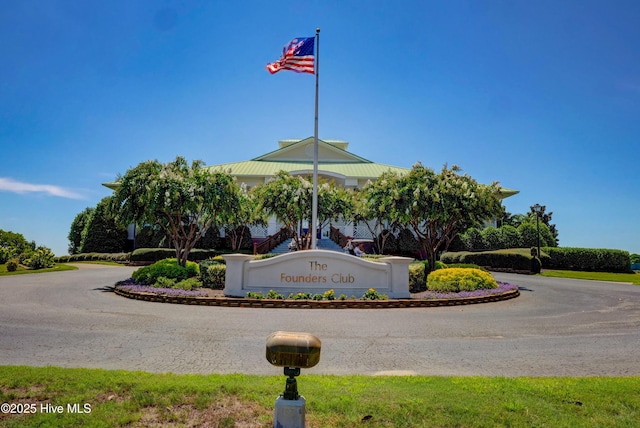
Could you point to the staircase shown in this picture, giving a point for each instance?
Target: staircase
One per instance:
(323, 244)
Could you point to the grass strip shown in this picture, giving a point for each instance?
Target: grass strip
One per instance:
(633, 278)
(59, 267)
(121, 398)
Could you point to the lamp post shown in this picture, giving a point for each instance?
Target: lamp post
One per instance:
(537, 209)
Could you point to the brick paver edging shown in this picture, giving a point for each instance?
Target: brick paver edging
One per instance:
(240, 302)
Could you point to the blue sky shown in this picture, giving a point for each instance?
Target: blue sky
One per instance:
(543, 97)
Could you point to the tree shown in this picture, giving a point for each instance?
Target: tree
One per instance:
(15, 242)
(438, 206)
(529, 234)
(373, 208)
(102, 232)
(75, 232)
(183, 200)
(243, 213)
(546, 219)
(289, 199)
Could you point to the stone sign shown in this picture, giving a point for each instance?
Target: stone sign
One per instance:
(316, 271)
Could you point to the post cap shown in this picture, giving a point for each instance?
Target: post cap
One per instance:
(291, 349)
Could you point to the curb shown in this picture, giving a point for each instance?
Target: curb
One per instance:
(314, 304)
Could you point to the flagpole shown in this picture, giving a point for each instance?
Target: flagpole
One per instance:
(314, 208)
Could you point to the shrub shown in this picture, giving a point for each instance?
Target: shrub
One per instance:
(168, 268)
(274, 295)
(472, 239)
(372, 294)
(466, 265)
(212, 275)
(300, 296)
(529, 235)
(509, 236)
(512, 259)
(588, 259)
(407, 243)
(211, 239)
(417, 279)
(188, 284)
(439, 265)
(5, 254)
(454, 280)
(12, 265)
(491, 238)
(40, 258)
(164, 282)
(156, 254)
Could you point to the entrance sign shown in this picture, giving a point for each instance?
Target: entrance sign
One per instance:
(316, 271)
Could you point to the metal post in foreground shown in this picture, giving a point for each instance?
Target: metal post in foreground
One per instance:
(292, 351)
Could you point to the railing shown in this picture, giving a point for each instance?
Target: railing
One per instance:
(271, 241)
(338, 237)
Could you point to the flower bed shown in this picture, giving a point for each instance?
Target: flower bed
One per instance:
(425, 299)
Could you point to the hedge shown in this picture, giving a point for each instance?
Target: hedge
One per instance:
(588, 259)
(103, 257)
(156, 254)
(512, 259)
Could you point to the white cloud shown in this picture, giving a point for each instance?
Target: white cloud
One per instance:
(10, 185)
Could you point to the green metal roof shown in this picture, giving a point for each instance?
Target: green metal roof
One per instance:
(255, 168)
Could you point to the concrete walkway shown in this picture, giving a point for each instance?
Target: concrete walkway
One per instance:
(555, 328)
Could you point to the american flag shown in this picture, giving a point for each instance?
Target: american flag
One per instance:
(296, 56)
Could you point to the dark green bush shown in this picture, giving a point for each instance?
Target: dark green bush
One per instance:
(151, 237)
(408, 245)
(472, 239)
(510, 237)
(104, 257)
(168, 268)
(390, 243)
(12, 265)
(513, 259)
(155, 254)
(211, 239)
(491, 238)
(588, 259)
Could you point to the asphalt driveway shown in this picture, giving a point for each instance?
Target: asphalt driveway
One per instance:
(557, 327)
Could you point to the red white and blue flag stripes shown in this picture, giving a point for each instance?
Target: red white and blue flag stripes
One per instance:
(296, 56)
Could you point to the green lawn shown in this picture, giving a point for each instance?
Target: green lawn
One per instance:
(633, 278)
(119, 398)
(21, 270)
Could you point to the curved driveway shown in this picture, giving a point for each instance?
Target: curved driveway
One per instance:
(555, 328)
